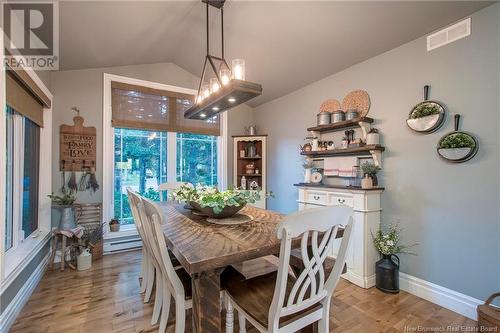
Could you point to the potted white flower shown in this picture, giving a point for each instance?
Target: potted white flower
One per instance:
(386, 241)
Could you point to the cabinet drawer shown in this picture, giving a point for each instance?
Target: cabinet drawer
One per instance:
(318, 198)
(341, 199)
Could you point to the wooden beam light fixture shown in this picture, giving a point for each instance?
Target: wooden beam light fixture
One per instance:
(228, 88)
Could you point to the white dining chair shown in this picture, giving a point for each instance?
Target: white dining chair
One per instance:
(150, 266)
(169, 186)
(176, 282)
(278, 302)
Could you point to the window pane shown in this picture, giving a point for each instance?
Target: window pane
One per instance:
(197, 158)
(8, 176)
(141, 164)
(30, 177)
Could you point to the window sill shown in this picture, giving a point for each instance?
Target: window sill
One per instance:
(125, 231)
(18, 258)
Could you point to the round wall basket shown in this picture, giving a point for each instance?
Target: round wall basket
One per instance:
(457, 146)
(427, 116)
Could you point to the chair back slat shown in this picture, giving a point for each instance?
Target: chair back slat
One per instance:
(317, 229)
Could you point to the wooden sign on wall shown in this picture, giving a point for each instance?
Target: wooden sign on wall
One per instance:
(78, 146)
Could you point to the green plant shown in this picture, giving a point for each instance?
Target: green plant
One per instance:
(65, 200)
(386, 240)
(369, 168)
(184, 193)
(425, 110)
(114, 221)
(210, 196)
(457, 140)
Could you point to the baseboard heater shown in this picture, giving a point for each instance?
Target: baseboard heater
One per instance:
(120, 245)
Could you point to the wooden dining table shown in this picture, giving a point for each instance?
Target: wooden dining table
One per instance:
(204, 249)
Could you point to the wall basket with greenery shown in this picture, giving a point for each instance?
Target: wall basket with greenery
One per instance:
(457, 146)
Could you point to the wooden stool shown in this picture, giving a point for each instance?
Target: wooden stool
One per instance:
(63, 250)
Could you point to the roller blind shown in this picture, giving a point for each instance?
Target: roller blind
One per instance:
(21, 100)
(141, 107)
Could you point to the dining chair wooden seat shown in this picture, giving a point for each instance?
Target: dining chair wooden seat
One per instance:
(278, 302)
(255, 295)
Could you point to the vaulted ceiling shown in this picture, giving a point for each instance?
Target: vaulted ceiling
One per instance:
(286, 44)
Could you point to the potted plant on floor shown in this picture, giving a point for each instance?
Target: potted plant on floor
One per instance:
(371, 170)
(65, 204)
(386, 241)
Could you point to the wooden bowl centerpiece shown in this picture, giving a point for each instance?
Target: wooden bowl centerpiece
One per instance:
(213, 203)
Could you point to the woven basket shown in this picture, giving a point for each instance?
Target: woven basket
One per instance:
(488, 316)
(97, 250)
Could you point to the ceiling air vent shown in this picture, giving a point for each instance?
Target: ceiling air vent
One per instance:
(449, 35)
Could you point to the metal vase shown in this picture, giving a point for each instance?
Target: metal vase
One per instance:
(387, 274)
(67, 221)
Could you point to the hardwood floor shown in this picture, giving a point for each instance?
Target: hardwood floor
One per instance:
(106, 299)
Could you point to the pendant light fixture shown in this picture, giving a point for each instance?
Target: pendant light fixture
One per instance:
(228, 87)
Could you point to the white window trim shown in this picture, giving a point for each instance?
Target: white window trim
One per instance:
(108, 148)
(13, 262)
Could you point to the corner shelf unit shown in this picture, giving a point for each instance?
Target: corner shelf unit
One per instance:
(364, 123)
(241, 143)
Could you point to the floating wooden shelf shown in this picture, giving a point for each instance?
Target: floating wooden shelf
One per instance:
(341, 125)
(364, 150)
(250, 174)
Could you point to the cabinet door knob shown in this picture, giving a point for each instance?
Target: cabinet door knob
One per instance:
(341, 200)
(316, 197)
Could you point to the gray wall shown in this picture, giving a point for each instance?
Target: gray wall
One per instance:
(451, 210)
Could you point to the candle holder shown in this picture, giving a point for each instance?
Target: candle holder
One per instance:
(205, 90)
(214, 85)
(238, 69)
(225, 75)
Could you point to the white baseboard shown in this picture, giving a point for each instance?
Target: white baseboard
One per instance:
(359, 280)
(447, 298)
(10, 314)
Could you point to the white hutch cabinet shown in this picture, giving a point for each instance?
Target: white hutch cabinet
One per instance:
(362, 255)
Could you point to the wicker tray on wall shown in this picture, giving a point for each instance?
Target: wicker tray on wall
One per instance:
(90, 217)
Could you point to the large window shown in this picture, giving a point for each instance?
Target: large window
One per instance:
(197, 158)
(22, 175)
(141, 164)
(151, 143)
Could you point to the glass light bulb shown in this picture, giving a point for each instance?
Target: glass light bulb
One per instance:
(205, 90)
(214, 85)
(238, 69)
(225, 75)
